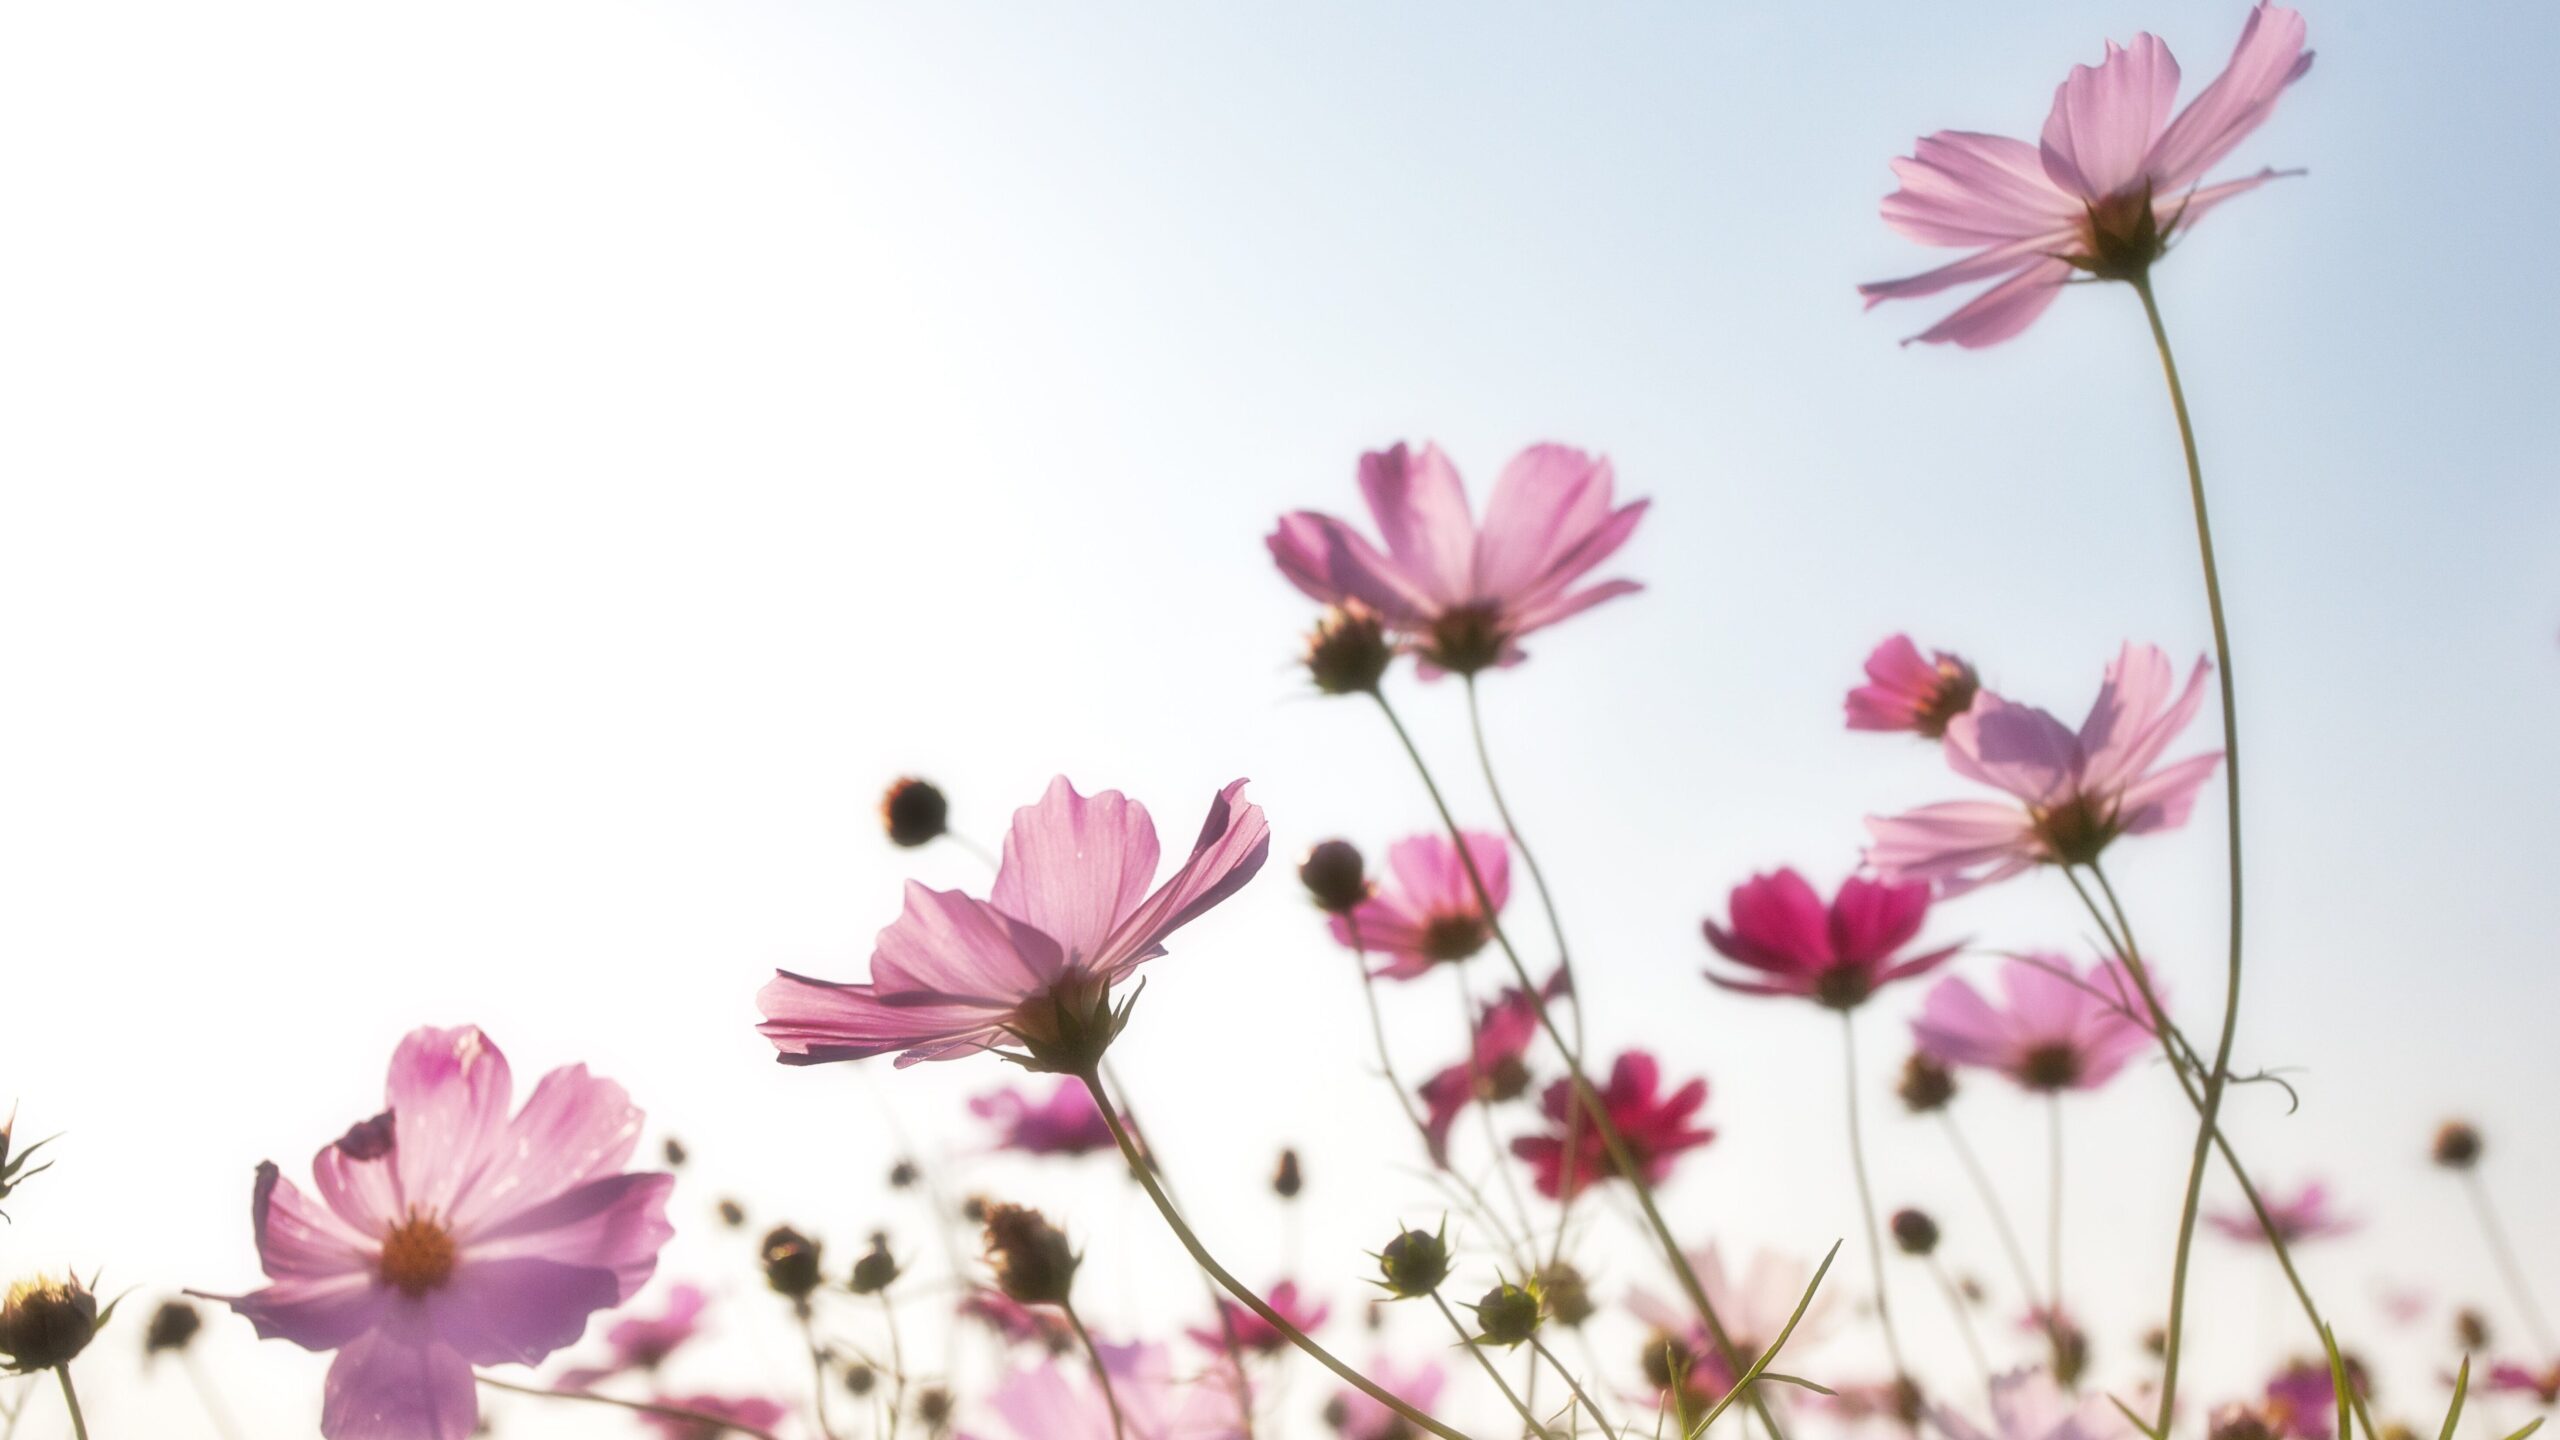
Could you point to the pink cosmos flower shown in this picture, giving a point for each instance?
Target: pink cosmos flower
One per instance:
(1753, 1305)
(2307, 1216)
(2054, 1034)
(1430, 916)
(449, 1236)
(1070, 916)
(2302, 1399)
(1364, 1418)
(1255, 1334)
(1017, 1323)
(1495, 1069)
(2027, 1405)
(2075, 793)
(1655, 1126)
(644, 1342)
(2509, 1378)
(1835, 955)
(1066, 1123)
(2115, 180)
(1905, 692)
(1059, 1400)
(1462, 594)
(761, 1414)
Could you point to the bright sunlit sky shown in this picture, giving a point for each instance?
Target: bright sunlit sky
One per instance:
(493, 491)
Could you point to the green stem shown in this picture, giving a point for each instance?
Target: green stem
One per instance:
(1964, 1324)
(2053, 1205)
(2508, 1269)
(1101, 1372)
(2000, 1222)
(1468, 1344)
(1208, 1263)
(1589, 1100)
(818, 1369)
(718, 1426)
(1867, 1199)
(71, 1398)
(897, 1364)
(1590, 1407)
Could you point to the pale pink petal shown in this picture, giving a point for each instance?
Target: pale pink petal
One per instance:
(1384, 923)
(517, 1310)
(298, 1240)
(1949, 839)
(448, 1093)
(1421, 509)
(615, 1225)
(1960, 188)
(1234, 840)
(2016, 748)
(2163, 799)
(2179, 212)
(1956, 1025)
(2133, 720)
(2010, 258)
(2104, 120)
(1332, 563)
(1545, 600)
(574, 1128)
(1433, 876)
(946, 946)
(1548, 500)
(2268, 58)
(1074, 867)
(1544, 613)
(393, 1387)
(814, 1022)
(2002, 311)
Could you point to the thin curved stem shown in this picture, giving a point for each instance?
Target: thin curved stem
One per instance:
(2215, 1080)
(1867, 1198)
(2053, 1204)
(717, 1425)
(1228, 1338)
(1468, 1344)
(1101, 1372)
(2509, 1269)
(71, 1399)
(1200, 1256)
(897, 1363)
(1991, 1203)
(818, 1369)
(1964, 1324)
(1589, 1101)
(1590, 1407)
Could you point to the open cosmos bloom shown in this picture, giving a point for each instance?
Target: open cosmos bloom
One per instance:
(1058, 1400)
(1753, 1305)
(1909, 692)
(1430, 915)
(1354, 1415)
(2073, 793)
(1495, 1069)
(1656, 1127)
(2115, 179)
(1835, 955)
(2053, 1033)
(1065, 1122)
(643, 1342)
(450, 1235)
(1460, 594)
(1069, 917)
(2028, 1405)
(1256, 1335)
(2307, 1215)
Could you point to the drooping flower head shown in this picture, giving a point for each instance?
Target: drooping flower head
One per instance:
(1058, 1400)
(643, 1342)
(1256, 1335)
(1462, 595)
(2028, 1405)
(2116, 178)
(2306, 1215)
(1905, 691)
(1656, 1127)
(1032, 964)
(753, 1411)
(1495, 1069)
(1835, 955)
(1431, 914)
(2075, 792)
(1065, 1122)
(2059, 1028)
(449, 1235)
(1354, 1415)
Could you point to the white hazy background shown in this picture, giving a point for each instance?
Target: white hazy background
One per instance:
(493, 491)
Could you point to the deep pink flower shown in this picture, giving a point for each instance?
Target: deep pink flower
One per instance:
(1069, 917)
(643, 1342)
(450, 1236)
(2302, 1399)
(2114, 181)
(2028, 1405)
(1464, 595)
(2055, 1034)
(2307, 1216)
(1058, 1400)
(2075, 792)
(1255, 1334)
(1364, 1418)
(2508, 1378)
(1066, 1123)
(1906, 692)
(762, 1414)
(1494, 1070)
(1655, 1126)
(1430, 915)
(1836, 955)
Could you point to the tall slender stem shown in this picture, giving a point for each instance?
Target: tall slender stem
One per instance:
(71, 1398)
(1999, 1213)
(1200, 1256)
(1590, 1407)
(1101, 1372)
(716, 1425)
(1226, 1317)
(1964, 1323)
(897, 1363)
(1867, 1198)
(2217, 1079)
(818, 1368)
(2053, 1205)
(1468, 1344)
(2509, 1269)
(1619, 1156)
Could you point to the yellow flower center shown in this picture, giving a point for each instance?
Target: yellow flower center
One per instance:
(417, 1256)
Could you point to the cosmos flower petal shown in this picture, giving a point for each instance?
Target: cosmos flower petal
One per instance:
(1421, 509)
(1333, 563)
(385, 1387)
(815, 1022)
(2002, 311)
(575, 1127)
(1548, 500)
(2268, 58)
(448, 1094)
(1234, 842)
(1074, 867)
(2104, 120)
(1961, 188)
(517, 1310)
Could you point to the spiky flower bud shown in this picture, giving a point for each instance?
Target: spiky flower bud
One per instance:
(46, 1322)
(2457, 1146)
(1508, 1315)
(1926, 1085)
(914, 812)
(1414, 1263)
(1568, 1294)
(1033, 1263)
(1915, 1232)
(791, 1264)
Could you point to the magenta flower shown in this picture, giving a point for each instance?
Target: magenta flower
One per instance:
(1070, 916)
(2075, 793)
(450, 1236)
(2055, 1034)
(757, 1413)
(1430, 916)
(1066, 1123)
(1835, 955)
(1495, 1069)
(644, 1342)
(1255, 1334)
(2306, 1216)
(1906, 692)
(1058, 1400)
(1461, 595)
(1655, 1126)
(1364, 1418)
(2115, 180)
(2302, 1399)
(2508, 1378)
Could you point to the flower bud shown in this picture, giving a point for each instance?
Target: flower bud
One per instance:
(1568, 1294)
(904, 1175)
(1348, 651)
(791, 1264)
(172, 1329)
(2457, 1146)
(1033, 1263)
(859, 1378)
(1414, 1263)
(933, 1407)
(1286, 1180)
(1915, 1232)
(732, 1214)
(45, 1323)
(914, 812)
(877, 1270)
(1926, 1085)
(1335, 876)
(2240, 1422)
(675, 1153)
(1507, 1315)
(2471, 1330)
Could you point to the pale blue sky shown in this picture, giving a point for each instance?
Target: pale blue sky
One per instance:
(495, 490)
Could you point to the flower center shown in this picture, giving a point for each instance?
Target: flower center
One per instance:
(2075, 831)
(417, 1256)
(1843, 987)
(1454, 936)
(2050, 1067)
(1949, 698)
(1507, 1080)
(1467, 639)
(2124, 236)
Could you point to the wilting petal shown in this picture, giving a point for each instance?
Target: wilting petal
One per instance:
(2268, 58)
(1421, 510)
(1074, 867)
(1234, 841)
(1960, 188)
(2104, 120)
(2002, 311)
(448, 1093)
(387, 1387)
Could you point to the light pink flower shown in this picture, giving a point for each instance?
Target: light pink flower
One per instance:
(1463, 595)
(2075, 793)
(1906, 692)
(2508, 1378)
(1017, 1323)
(1365, 1418)
(1430, 915)
(1255, 1334)
(2302, 1399)
(1070, 916)
(1656, 1127)
(1065, 1123)
(449, 1235)
(748, 1410)
(1494, 1070)
(1753, 1305)
(2306, 1216)
(1059, 1400)
(2027, 1405)
(2115, 180)
(2054, 1034)
(1835, 955)
(643, 1342)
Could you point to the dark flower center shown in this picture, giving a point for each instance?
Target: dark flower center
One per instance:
(2123, 234)
(417, 1256)
(1843, 987)
(1951, 697)
(2050, 1067)
(1349, 651)
(1454, 936)
(1467, 639)
(1505, 1081)
(2075, 831)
